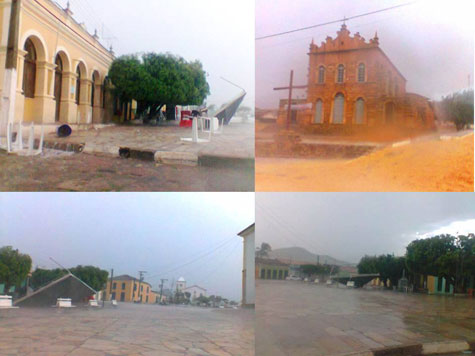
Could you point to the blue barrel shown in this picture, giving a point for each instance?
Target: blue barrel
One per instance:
(64, 131)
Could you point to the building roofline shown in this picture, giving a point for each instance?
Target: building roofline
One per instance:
(360, 49)
(247, 229)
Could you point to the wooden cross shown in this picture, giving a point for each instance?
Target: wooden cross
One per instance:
(290, 89)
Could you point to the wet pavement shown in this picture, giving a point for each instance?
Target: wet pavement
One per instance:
(293, 318)
(129, 330)
(85, 172)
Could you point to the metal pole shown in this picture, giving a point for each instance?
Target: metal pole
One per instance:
(110, 285)
(289, 104)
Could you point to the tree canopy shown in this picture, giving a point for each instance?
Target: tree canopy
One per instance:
(264, 250)
(155, 80)
(319, 270)
(458, 108)
(388, 266)
(451, 257)
(14, 267)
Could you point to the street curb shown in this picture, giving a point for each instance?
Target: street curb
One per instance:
(163, 157)
(433, 348)
(445, 347)
(408, 350)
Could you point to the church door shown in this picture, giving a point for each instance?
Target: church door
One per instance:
(319, 112)
(338, 109)
(359, 115)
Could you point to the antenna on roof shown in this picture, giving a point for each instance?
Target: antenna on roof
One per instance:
(232, 83)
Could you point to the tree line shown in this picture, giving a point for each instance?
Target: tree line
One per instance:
(447, 256)
(15, 268)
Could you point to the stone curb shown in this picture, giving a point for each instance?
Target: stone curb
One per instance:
(433, 348)
(163, 157)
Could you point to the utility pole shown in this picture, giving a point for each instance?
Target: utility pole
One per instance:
(141, 273)
(10, 77)
(110, 285)
(161, 288)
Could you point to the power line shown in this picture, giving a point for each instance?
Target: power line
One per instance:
(335, 21)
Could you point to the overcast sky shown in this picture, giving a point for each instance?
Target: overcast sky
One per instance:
(347, 226)
(156, 233)
(430, 42)
(218, 33)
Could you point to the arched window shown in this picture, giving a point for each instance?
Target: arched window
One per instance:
(338, 109)
(78, 85)
(341, 73)
(321, 75)
(29, 70)
(361, 73)
(359, 114)
(318, 112)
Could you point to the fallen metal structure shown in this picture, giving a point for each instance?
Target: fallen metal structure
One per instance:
(68, 286)
(359, 279)
(13, 141)
(226, 113)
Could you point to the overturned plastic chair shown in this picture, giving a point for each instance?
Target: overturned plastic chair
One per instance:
(17, 146)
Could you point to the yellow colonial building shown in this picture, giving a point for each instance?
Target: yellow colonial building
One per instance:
(61, 67)
(129, 289)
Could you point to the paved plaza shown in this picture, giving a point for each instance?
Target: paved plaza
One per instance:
(293, 318)
(129, 330)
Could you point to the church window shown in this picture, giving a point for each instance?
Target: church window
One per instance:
(361, 72)
(318, 112)
(321, 75)
(341, 73)
(338, 109)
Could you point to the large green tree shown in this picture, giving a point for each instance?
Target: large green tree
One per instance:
(458, 108)
(155, 80)
(264, 250)
(448, 256)
(14, 267)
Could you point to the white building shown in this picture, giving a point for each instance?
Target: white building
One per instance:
(195, 291)
(181, 284)
(248, 271)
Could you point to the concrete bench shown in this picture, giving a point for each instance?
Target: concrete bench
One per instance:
(64, 303)
(6, 302)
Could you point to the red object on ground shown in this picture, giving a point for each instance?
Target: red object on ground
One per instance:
(184, 121)
(471, 292)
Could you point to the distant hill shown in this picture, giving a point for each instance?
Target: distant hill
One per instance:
(300, 255)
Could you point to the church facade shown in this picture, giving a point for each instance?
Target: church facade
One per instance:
(61, 67)
(353, 85)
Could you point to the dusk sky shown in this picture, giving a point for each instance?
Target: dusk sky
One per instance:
(430, 42)
(169, 235)
(347, 226)
(218, 33)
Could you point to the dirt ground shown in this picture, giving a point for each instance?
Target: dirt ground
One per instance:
(104, 173)
(426, 166)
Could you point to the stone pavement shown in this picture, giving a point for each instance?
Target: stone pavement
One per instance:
(236, 141)
(58, 171)
(129, 330)
(293, 318)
